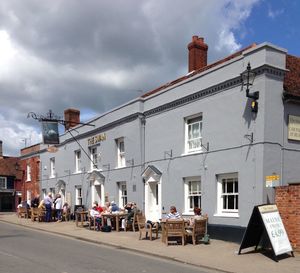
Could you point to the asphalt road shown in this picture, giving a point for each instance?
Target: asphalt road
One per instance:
(26, 251)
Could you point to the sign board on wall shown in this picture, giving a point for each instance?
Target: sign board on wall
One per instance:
(294, 128)
(266, 221)
(272, 181)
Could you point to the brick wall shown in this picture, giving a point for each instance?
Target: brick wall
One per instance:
(288, 202)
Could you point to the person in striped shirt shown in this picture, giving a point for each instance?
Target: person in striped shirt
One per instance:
(173, 214)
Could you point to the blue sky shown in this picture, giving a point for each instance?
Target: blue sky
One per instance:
(275, 21)
(99, 55)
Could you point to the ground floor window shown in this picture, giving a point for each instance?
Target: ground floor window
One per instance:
(78, 195)
(228, 193)
(192, 187)
(122, 194)
(3, 183)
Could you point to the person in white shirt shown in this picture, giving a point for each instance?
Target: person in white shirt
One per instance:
(58, 207)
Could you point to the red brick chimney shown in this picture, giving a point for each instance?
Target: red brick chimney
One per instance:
(72, 118)
(197, 53)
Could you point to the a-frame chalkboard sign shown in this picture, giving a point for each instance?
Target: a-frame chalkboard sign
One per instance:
(265, 221)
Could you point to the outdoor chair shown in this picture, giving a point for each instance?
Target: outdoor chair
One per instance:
(175, 229)
(66, 215)
(91, 221)
(198, 230)
(132, 224)
(146, 228)
(22, 212)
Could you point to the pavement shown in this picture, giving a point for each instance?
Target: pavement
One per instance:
(218, 255)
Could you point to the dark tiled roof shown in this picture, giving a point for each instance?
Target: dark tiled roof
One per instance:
(195, 72)
(7, 167)
(291, 84)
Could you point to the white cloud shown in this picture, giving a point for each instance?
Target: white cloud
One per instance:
(61, 54)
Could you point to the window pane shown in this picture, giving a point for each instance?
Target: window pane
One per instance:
(225, 202)
(231, 202)
(229, 187)
(236, 186)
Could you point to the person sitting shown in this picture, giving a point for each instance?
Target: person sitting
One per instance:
(197, 215)
(35, 201)
(99, 208)
(96, 215)
(131, 208)
(114, 207)
(173, 214)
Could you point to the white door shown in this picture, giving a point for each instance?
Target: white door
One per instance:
(97, 192)
(152, 201)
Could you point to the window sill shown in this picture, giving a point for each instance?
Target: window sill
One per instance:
(227, 215)
(192, 153)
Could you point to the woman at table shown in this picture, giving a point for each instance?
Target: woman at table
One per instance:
(173, 214)
(197, 215)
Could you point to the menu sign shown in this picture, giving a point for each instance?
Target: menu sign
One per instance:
(265, 225)
(275, 229)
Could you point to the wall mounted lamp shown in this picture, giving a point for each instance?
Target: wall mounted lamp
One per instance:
(248, 77)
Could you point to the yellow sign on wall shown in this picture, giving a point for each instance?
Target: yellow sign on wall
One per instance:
(272, 180)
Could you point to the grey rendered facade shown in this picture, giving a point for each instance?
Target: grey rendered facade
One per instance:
(162, 166)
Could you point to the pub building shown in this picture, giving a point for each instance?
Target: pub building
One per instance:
(224, 137)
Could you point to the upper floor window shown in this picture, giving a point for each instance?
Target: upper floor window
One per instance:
(28, 172)
(192, 193)
(78, 161)
(94, 158)
(228, 193)
(3, 183)
(193, 133)
(52, 167)
(121, 152)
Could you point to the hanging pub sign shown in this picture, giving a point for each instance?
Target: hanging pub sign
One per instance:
(266, 227)
(50, 132)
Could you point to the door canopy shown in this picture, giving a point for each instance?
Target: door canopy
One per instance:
(96, 177)
(60, 185)
(151, 174)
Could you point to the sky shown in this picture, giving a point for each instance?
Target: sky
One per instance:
(94, 55)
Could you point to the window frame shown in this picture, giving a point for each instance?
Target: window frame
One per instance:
(123, 194)
(52, 167)
(28, 172)
(94, 158)
(77, 161)
(188, 195)
(4, 181)
(198, 119)
(221, 210)
(121, 160)
(78, 195)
